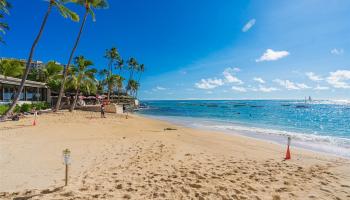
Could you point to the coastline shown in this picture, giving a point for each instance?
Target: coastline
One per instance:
(136, 158)
(278, 137)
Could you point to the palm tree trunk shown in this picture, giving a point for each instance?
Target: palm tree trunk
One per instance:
(109, 94)
(130, 77)
(65, 71)
(75, 99)
(118, 100)
(109, 76)
(31, 54)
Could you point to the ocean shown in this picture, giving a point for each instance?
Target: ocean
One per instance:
(322, 126)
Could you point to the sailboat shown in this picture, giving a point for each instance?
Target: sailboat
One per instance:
(310, 100)
(305, 103)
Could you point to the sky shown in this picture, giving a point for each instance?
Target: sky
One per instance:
(204, 49)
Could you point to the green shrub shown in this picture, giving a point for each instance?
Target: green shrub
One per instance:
(3, 109)
(17, 109)
(26, 107)
(41, 105)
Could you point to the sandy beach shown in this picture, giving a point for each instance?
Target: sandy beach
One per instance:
(137, 158)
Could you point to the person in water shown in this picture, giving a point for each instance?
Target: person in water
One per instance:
(103, 110)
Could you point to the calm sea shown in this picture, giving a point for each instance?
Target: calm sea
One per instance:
(317, 125)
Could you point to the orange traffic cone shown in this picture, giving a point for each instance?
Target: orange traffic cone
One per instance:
(287, 154)
(288, 157)
(34, 122)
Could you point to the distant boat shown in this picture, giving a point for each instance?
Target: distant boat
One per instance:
(305, 105)
(301, 106)
(286, 105)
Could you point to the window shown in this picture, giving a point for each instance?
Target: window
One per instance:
(10, 91)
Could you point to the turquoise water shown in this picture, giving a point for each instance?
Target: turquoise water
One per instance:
(317, 125)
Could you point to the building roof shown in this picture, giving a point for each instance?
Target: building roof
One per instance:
(17, 81)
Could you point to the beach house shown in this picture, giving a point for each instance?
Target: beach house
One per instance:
(33, 91)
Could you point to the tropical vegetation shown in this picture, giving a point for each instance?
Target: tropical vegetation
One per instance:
(78, 78)
(89, 5)
(11, 68)
(65, 12)
(81, 75)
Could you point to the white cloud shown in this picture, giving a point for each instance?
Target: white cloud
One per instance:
(271, 55)
(289, 85)
(258, 79)
(248, 25)
(302, 86)
(266, 89)
(239, 89)
(339, 79)
(336, 51)
(160, 88)
(312, 76)
(318, 87)
(209, 83)
(236, 69)
(230, 77)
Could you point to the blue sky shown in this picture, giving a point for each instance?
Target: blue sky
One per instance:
(203, 49)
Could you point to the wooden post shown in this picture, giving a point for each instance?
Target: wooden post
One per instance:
(66, 158)
(66, 180)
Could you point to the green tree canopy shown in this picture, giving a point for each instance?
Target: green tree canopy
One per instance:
(11, 68)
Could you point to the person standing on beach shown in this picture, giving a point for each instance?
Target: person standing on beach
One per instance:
(103, 110)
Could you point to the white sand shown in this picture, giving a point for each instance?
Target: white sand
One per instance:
(135, 158)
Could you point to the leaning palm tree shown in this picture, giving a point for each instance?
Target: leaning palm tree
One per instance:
(82, 74)
(11, 68)
(89, 5)
(114, 58)
(65, 12)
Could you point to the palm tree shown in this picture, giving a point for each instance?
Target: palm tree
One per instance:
(51, 71)
(140, 69)
(134, 86)
(12, 68)
(114, 58)
(119, 82)
(65, 12)
(132, 66)
(88, 4)
(4, 9)
(120, 66)
(82, 74)
(99, 87)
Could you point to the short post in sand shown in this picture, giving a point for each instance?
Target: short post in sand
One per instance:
(35, 117)
(66, 159)
(288, 157)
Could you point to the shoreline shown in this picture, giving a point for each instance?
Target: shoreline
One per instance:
(137, 158)
(259, 133)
